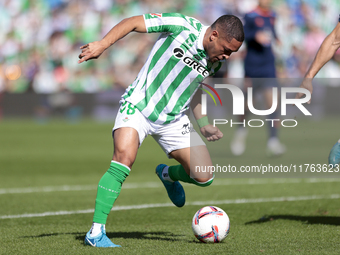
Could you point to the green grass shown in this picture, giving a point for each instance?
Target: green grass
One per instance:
(59, 153)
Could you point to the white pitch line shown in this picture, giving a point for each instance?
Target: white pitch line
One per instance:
(47, 189)
(217, 182)
(74, 188)
(146, 206)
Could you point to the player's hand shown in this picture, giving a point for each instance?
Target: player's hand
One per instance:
(91, 51)
(278, 42)
(306, 84)
(211, 133)
(263, 38)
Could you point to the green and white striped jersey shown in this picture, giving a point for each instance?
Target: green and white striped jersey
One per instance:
(177, 63)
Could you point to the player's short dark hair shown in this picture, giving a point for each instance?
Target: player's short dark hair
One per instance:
(229, 26)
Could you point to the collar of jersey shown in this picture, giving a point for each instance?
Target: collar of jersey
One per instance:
(200, 48)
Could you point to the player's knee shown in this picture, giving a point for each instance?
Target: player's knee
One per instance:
(124, 159)
(203, 182)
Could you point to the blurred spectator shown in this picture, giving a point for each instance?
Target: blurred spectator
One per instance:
(40, 39)
(259, 66)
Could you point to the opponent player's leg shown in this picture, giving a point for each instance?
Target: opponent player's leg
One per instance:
(334, 155)
(274, 146)
(238, 142)
(126, 142)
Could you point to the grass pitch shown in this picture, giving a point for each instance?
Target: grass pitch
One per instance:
(53, 169)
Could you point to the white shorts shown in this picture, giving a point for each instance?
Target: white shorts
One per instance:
(173, 136)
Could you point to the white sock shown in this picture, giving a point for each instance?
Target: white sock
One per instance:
(96, 229)
(165, 174)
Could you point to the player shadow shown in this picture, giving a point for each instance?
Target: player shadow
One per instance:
(52, 234)
(162, 236)
(159, 235)
(325, 220)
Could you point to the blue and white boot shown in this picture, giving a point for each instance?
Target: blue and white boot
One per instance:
(100, 240)
(175, 190)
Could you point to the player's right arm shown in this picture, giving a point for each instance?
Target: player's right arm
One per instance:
(95, 49)
(208, 131)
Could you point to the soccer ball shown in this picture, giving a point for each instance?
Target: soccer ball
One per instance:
(210, 224)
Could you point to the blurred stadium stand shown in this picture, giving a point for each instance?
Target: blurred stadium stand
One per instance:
(40, 40)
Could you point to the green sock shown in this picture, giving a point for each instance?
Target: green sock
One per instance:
(177, 173)
(108, 190)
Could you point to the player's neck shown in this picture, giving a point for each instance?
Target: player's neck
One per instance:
(264, 9)
(206, 38)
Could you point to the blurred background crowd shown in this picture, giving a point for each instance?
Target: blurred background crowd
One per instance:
(40, 40)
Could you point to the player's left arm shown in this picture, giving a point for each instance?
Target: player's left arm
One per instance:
(326, 51)
(277, 39)
(95, 49)
(208, 131)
